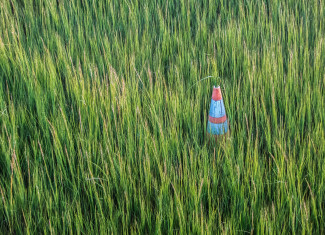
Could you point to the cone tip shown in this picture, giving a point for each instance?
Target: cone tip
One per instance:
(216, 93)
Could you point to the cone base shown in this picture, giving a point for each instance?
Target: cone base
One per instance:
(217, 129)
(213, 139)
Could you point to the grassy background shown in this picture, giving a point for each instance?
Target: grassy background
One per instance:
(103, 130)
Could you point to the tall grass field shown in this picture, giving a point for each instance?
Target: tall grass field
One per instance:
(104, 107)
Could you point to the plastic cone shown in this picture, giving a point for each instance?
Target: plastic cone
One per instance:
(217, 123)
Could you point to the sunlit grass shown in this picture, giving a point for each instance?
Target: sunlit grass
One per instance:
(103, 120)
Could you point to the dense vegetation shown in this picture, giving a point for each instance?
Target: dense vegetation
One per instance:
(103, 118)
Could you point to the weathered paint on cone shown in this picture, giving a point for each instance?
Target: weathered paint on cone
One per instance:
(217, 123)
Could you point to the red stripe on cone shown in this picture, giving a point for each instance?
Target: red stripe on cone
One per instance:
(216, 93)
(217, 120)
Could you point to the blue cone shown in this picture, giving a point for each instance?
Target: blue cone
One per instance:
(217, 123)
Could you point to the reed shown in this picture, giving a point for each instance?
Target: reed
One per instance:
(103, 118)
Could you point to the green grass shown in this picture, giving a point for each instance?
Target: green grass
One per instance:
(103, 123)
